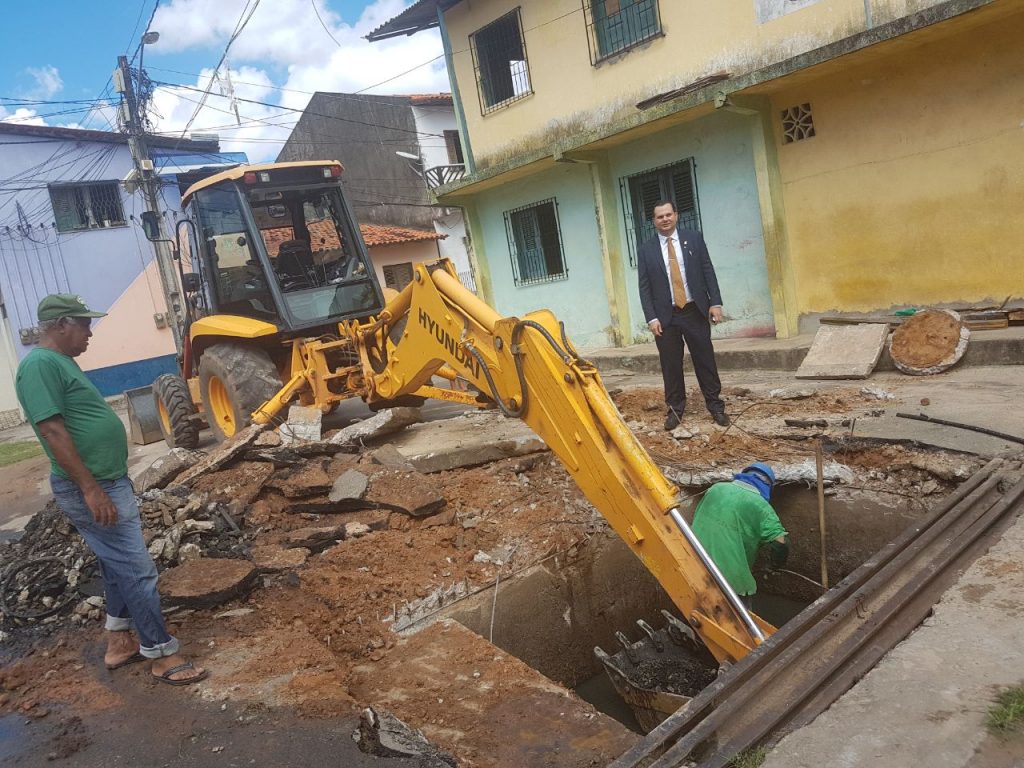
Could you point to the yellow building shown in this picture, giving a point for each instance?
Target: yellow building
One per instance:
(838, 155)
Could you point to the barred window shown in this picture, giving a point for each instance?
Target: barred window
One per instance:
(535, 243)
(614, 26)
(87, 206)
(499, 60)
(676, 182)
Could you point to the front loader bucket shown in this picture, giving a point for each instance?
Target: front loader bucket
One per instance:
(143, 420)
(659, 673)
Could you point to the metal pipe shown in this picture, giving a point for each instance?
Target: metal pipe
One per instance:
(730, 595)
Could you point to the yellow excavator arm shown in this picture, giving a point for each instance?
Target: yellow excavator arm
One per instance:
(531, 371)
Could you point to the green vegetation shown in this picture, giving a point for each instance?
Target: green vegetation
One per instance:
(1006, 716)
(750, 758)
(12, 453)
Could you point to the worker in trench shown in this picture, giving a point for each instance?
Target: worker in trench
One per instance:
(733, 521)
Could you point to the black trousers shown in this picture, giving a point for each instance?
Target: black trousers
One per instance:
(691, 328)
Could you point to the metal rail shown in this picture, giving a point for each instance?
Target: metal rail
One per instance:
(802, 669)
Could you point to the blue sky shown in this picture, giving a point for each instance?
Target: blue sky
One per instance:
(282, 55)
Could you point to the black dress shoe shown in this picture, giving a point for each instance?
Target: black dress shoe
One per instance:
(721, 419)
(671, 421)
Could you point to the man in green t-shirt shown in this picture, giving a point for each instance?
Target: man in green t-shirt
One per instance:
(88, 451)
(734, 519)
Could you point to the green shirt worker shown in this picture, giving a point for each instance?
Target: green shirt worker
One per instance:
(88, 451)
(734, 519)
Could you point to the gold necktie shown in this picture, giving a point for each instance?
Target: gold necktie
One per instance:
(676, 275)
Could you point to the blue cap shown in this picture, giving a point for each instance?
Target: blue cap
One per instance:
(763, 469)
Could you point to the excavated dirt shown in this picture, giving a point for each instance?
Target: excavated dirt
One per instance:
(319, 636)
(926, 339)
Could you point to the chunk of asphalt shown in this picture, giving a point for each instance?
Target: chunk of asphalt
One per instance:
(383, 423)
(224, 454)
(161, 472)
(351, 485)
(392, 458)
(207, 582)
(382, 734)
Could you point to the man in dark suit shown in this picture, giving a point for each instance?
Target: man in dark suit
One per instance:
(680, 299)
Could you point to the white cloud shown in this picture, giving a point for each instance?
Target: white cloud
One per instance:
(21, 116)
(286, 36)
(47, 80)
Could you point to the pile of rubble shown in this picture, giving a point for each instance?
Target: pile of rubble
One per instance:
(206, 520)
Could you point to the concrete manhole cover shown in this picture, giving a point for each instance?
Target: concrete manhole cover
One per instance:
(929, 342)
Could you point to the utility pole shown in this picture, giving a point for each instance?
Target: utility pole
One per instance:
(148, 183)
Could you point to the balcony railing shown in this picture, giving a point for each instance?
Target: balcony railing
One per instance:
(443, 174)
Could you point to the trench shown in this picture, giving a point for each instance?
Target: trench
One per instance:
(552, 616)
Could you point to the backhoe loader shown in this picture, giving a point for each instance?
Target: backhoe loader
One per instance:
(282, 306)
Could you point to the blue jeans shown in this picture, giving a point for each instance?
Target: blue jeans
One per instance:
(129, 575)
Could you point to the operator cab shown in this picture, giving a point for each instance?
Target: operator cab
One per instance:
(279, 244)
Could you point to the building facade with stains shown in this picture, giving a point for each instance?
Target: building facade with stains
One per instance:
(69, 224)
(837, 155)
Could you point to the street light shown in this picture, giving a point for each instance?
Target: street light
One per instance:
(147, 39)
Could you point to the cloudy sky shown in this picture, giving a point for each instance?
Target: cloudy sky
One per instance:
(285, 50)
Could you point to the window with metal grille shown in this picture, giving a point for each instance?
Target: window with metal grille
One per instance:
(453, 144)
(397, 276)
(676, 182)
(87, 206)
(499, 60)
(615, 26)
(535, 243)
(797, 123)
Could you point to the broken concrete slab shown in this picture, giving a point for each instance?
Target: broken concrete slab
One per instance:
(310, 479)
(274, 558)
(465, 441)
(390, 457)
(382, 734)
(351, 485)
(802, 471)
(408, 492)
(161, 472)
(207, 582)
(223, 454)
(298, 453)
(241, 482)
(384, 423)
(304, 424)
(314, 539)
(844, 351)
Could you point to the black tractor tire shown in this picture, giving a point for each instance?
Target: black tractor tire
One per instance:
(176, 410)
(235, 380)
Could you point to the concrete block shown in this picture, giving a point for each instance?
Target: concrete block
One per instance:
(304, 425)
(844, 351)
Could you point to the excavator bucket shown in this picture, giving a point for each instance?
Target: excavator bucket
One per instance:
(143, 420)
(661, 672)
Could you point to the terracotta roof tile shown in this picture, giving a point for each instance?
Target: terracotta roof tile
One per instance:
(375, 235)
(385, 234)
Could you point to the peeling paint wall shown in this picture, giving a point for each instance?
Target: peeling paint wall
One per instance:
(910, 191)
(730, 215)
(700, 38)
(580, 300)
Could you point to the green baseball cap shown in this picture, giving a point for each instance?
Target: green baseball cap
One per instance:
(58, 305)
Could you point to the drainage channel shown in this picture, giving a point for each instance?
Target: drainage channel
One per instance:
(816, 658)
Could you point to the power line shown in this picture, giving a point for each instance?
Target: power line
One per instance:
(307, 112)
(317, 12)
(240, 25)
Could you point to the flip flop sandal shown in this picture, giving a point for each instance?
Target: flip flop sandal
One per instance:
(135, 658)
(166, 676)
